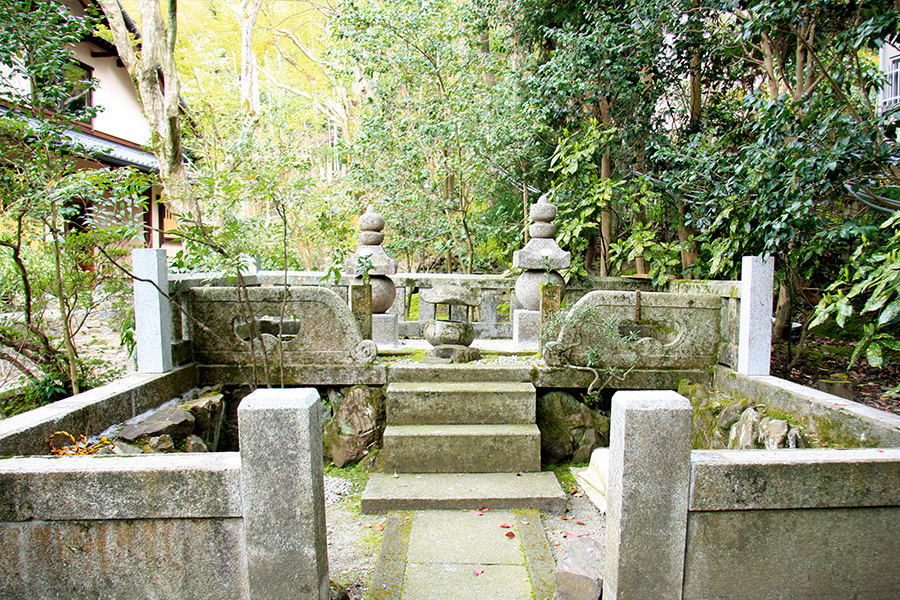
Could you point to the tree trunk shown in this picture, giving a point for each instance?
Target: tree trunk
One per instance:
(781, 329)
(248, 12)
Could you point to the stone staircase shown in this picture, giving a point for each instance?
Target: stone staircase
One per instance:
(461, 437)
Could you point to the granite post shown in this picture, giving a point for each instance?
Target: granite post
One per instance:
(283, 494)
(360, 297)
(648, 495)
(152, 311)
(755, 332)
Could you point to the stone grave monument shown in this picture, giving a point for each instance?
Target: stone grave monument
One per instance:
(541, 257)
(370, 254)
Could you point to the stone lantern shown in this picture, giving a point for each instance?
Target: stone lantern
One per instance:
(451, 339)
(371, 226)
(541, 257)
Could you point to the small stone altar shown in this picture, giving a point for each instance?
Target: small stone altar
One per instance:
(451, 339)
(540, 258)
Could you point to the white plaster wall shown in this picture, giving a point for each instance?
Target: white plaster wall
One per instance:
(121, 115)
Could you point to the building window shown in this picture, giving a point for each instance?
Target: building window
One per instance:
(72, 93)
(892, 89)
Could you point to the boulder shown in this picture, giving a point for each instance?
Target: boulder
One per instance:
(730, 415)
(569, 428)
(194, 444)
(357, 426)
(743, 434)
(209, 413)
(773, 433)
(161, 443)
(577, 575)
(172, 421)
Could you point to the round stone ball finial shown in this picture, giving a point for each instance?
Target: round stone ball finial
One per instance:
(371, 220)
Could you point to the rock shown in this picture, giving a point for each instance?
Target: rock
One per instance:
(453, 353)
(577, 575)
(194, 444)
(449, 294)
(335, 398)
(384, 292)
(125, 449)
(772, 433)
(357, 425)
(161, 443)
(569, 428)
(730, 415)
(439, 333)
(209, 413)
(796, 439)
(743, 433)
(172, 421)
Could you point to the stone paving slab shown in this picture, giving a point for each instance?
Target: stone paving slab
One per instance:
(447, 491)
(464, 555)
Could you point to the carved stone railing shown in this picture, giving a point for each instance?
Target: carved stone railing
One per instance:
(491, 318)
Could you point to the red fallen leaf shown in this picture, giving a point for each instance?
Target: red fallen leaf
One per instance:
(379, 527)
(483, 509)
(479, 571)
(882, 451)
(510, 534)
(571, 535)
(477, 513)
(564, 518)
(505, 525)
(581, 522)
(520, 474)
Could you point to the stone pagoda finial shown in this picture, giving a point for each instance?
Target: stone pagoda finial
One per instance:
(540, 257)
(371, 225)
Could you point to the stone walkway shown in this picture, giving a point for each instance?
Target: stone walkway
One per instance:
(464, 555)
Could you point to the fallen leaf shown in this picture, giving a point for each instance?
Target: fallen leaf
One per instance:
(571, 535)
(520, 474)
(510, 534)
(505, 525)
(404, 485)
(526, 522)
(581, 522)
(564, 518)
(556, 543)
(479, 571)
(477, 513)
(396, 476)
(483, 509)
(379, 527)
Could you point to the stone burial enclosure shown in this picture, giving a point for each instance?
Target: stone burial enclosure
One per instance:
(682, 523)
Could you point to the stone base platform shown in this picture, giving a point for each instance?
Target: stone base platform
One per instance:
(469, 491)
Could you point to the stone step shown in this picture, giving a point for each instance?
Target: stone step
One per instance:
(419, 372)
(462, 448)
(463, 491)
(460, 403)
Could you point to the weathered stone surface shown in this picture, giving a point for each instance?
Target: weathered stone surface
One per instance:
(161, 443)
(773, 433)
(528, 287)
(730, 415)
(147, 486)
(194, 444)
(282, 489)
(577, 574)
(453, 353)
(449, 332)
(455, 295)
(357, 426)
(383, 293)
(125, 449)
(197, 558)
(569, 428)
(209, 413)
(660, 330)
(743, 434)
(648, 491)
(824, 553)
(526, 329)
(318, 328)
(173, 421)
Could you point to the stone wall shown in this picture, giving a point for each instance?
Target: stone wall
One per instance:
(751, 524)
(172, 526)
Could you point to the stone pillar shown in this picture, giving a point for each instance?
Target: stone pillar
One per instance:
(648, 489)
(360, 297)
(551, 304)
(755, 333)
(283, 494)
(152, 311)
